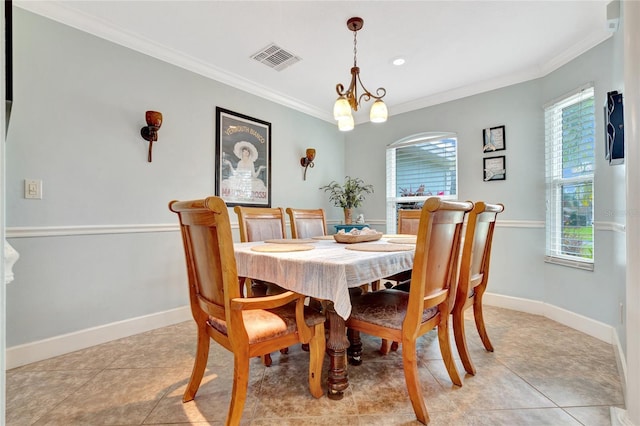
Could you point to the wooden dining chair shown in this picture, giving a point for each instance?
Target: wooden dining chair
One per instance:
(408, 223)
(260, 224)
(473, 277)
(307, 223)
(247, 327)
(404, 316)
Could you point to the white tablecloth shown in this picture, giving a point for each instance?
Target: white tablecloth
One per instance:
(326, 272)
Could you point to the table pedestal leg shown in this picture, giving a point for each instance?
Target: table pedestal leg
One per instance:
(337, 345)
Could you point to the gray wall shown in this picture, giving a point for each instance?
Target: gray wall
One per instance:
(79, 106)
(518, 268)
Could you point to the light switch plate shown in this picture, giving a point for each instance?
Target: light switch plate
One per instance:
(33, 189)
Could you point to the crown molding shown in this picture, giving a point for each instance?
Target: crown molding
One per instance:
(465, 91)
(504, 81)
(576, 50)
(57, 11)
(103, 29)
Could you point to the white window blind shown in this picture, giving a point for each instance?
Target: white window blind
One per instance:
(418, 167)
(570, 160)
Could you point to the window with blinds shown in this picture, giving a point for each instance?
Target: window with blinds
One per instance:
(570, 161)
(418, 167)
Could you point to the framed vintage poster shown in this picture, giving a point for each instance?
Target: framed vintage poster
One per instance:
(243, 159)
(493, 139)
(494, 168)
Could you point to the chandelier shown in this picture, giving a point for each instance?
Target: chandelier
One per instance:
(349, 99)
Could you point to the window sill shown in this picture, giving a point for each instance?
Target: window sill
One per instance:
(585, 266)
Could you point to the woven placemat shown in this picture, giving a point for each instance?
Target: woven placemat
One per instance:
(407, 240)
(398, 236)
(289, 241)
(379, 247)
(323, 237)
(281, 248)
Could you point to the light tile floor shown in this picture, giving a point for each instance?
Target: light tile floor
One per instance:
(541, 373)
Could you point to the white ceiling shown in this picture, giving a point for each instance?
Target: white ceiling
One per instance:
(452, 48)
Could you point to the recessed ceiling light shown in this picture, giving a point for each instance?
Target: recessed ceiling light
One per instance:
(398, 61)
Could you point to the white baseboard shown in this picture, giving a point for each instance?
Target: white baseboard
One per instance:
(619, 417)
(578, 322)
(622, 363)
(17, 356)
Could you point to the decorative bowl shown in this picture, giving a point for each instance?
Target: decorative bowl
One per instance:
(350, 239)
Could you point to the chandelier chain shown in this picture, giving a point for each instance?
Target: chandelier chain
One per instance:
(355, 48)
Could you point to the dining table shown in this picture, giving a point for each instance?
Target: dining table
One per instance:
(325, 269)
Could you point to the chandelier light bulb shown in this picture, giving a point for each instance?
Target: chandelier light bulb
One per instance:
(378, 113)
(341, 108)
(346, 124)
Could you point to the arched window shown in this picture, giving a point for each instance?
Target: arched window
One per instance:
(418, 167)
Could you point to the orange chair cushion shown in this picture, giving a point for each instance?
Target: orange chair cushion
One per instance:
(266, 324)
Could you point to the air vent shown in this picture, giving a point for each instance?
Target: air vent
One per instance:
(275, 57)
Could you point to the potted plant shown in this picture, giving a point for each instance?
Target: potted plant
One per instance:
(348, 195)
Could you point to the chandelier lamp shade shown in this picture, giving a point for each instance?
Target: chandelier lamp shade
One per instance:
(349, 99)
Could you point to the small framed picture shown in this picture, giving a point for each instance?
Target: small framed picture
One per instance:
(493, 139)
(494, 168)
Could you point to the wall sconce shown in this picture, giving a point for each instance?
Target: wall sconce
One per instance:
(150, 132)
(307, 161)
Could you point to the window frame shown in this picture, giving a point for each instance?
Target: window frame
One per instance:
(555, 251)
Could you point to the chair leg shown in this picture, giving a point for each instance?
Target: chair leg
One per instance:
(478, 316)
(445, 349)
(461, 341)
(384, 347)
(199, 364)
(412, 378)
(317, 348)
(266, 360)
(240, 385)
